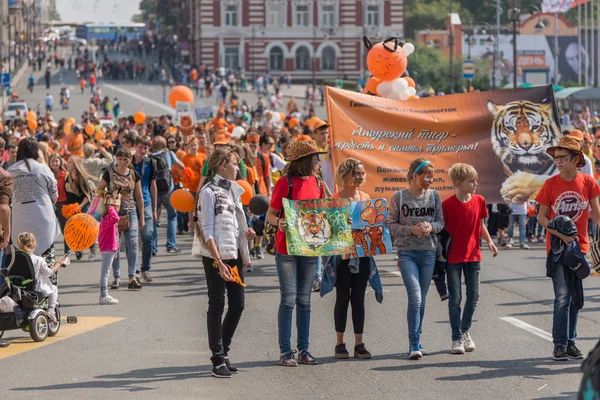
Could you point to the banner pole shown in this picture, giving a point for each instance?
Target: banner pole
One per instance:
(579, 44)
(593, 51)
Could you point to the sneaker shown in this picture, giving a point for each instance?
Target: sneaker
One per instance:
(78, 255)
(92, 257)
(541, 239)
(108, 300)
(340, 352)
(306, 358)
(468, 342)
(524, 246)
(361, 352)
(573, 352)
(444, 297)
(509, 245)
(502, 243)
(317, 285)
(154, 252)
(51, 314)
(147, 277)
(173, 250)
(415, 352)
(249, 268)
(288, 359)
(560, 353)
(259, 253)
(180, 232)
(230, 367)
(252, 254)
(221, 371)
(116, 284)
(134, 285)
(423, 351)
(458, 347)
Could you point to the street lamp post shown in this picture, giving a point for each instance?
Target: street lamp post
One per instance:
(514, 18)
(451, 44)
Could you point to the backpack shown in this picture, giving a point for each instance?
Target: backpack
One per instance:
(162, 174)
(271, 230)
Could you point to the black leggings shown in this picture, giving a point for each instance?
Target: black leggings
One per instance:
(221, 331)
(350, 288)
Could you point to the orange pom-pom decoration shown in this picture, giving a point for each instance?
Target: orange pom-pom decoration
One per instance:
(180, 93)
(70, 209)
(139, 117)
(248, 193)
(182, 200)
(81, 232)
(386, 60)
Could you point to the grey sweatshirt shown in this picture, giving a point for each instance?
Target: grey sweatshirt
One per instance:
(412, 211)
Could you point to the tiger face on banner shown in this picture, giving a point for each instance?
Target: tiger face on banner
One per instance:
(521, 133)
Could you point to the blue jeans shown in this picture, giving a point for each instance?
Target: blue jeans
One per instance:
(522, 219)
(171, 222)
(296, 276)
(564, 321)
(147, 238)
(454, 271)
(319, 267)
(416, 267)
(131, 246)
(107, 260)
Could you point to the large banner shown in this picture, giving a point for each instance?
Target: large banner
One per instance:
(504, 134)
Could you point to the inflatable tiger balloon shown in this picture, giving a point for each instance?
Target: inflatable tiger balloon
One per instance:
(81, 232)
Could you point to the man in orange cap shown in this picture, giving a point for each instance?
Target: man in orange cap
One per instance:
(321, 136)
(580, 138)
(218, 122)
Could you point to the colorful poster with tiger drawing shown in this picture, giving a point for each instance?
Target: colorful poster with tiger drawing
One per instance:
(318, 227)
(370, 235)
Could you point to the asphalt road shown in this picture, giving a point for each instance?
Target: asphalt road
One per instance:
(153, 344)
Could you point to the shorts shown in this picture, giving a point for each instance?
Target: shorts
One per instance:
(259, 227)
(503, 221)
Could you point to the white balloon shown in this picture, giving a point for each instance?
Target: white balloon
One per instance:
(394, 96)
(408, 48)
(275, 116)
(399, 85)
(404, 96)
(238, 132)
(411, 91)
(384, 89)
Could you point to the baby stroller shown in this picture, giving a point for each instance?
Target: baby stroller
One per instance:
(30, 308)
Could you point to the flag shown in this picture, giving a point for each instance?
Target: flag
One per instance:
(561, 6)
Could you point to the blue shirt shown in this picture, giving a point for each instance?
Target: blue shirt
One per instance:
(146, 171)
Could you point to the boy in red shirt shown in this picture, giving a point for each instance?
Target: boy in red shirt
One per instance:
(464, 218)
(569, 193)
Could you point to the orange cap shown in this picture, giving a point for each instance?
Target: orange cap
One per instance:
(576, 134)
(588, 138)
(303, 138)
(319, 124)
(221, 138)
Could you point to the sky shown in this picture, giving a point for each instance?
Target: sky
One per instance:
(99, 11)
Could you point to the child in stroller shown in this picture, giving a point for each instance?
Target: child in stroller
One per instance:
(26, 243)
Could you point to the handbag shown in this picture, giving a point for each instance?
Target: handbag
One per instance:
(98, 207)
(123, 224)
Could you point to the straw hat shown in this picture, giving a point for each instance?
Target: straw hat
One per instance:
(297, 150)
(568, 143)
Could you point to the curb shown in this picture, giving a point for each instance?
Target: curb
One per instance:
(15, 81)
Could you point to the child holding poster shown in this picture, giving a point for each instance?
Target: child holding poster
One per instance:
(352, 274)
(464, 217)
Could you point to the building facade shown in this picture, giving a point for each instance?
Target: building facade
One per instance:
(307, 39)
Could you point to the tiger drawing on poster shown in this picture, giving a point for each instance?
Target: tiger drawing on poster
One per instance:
(521, 133)
(313, 227)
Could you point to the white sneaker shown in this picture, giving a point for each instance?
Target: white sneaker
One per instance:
(147, 277)
(468, 342)
(509, 245)
(51, 314)
(92, 257)
(458, 347)
(104, 301)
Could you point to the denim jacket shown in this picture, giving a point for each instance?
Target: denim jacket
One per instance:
(330, 276)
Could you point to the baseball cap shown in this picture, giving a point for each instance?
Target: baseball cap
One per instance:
(320, 124)
(576, 134)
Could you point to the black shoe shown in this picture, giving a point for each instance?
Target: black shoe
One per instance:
(78, 255)
(230, 367)
(173, 250)
(134, 285)
(116, 284)
(221, 371)
(573, 352)
(361, 352)
(180, 232)
(560, 353)
(341, 352)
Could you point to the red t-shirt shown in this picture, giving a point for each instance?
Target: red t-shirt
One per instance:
(570, 198)
(62, 189)
(463, 224)
(302, 189)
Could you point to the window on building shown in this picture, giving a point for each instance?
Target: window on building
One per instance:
(302, 59)
(302, 17)
(276, 14)
(232, 57)
(373, 15)
(276, 59)
(231, 15)
(328, 58)
(328, 18)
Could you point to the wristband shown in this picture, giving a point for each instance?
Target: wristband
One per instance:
(216, 262)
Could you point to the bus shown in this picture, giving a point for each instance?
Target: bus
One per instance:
(109, 32)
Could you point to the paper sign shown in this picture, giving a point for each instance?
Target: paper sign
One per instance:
(371, 236)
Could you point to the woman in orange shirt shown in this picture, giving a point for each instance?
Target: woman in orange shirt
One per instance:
(193, 161)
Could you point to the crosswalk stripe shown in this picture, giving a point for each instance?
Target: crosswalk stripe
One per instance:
(529, 328)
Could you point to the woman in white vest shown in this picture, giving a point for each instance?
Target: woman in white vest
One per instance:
(221, 239)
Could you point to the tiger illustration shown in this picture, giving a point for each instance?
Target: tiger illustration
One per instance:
(360, 240)
(313, 227)
(375, 234)
(521, 133)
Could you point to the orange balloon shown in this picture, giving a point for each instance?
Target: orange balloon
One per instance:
(89, 129)
(387, 61)
(68, 128)
(248, 194)
(411, 81)
(139, 117)
(282, 116)
(372, 85)
(32, 124)
(182, 200)
(81, 231)
(31, 115)
(99, 135)
(180, 93)
(414, 97)
(70, 121)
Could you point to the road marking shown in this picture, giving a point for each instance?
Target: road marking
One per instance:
(141, 98)
(392, 271)
(542, 387)
(529, 328)
(22, 344)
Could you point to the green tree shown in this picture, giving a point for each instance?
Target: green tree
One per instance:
(429, 68)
